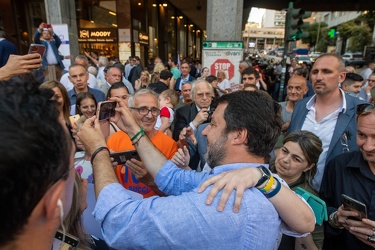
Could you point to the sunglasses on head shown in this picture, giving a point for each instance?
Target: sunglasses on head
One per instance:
(364, 108)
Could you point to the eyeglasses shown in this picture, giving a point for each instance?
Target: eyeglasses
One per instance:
(364, 108)
(370, 80)
(145, 111)
(344, 142)
(200, 95)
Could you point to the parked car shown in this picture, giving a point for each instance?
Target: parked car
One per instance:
(353, 59)
(313, 56)
(301, 59)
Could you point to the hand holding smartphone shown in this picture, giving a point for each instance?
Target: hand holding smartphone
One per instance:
(351, 204)
(123, 156)
(106, 110)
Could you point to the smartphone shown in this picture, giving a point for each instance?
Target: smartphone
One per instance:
(122, 157)
(106, 110)
(351, 204)
(46, 25)
(73, 119)
(70, 242)
(37, 48)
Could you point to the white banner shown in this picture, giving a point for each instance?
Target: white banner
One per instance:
(61, 30)
(225, 59)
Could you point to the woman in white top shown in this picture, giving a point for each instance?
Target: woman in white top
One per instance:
(223, 85)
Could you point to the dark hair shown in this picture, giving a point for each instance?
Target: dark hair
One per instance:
(211, 78)
(354, 77)
(301, 72)
(80, 97)
(36, 152)
(251, 71)
(165, 74)
(174, 60)
(311, 147)
(116, 85)
(256, 112)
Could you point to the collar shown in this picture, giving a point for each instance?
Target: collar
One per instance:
(342, 108)
(228, 167)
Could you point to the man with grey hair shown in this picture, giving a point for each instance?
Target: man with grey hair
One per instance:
(103, 62)
(6, 49)
(133, 176)
(197, 112)
(82, 60)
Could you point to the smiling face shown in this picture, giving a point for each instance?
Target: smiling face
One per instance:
(290, 162)
(326, 74)
(296, 88)
(88, 107)
(147, 101)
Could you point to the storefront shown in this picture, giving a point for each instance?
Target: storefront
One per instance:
(102, 41)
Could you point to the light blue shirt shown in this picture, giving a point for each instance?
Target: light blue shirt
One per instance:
(183, 220)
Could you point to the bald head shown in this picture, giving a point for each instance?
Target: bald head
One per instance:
(297, 88)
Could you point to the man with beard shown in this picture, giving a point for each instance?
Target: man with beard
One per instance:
(133, 175)
(243, 130)
(330, 113)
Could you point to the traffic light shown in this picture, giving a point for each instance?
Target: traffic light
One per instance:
(294, 23)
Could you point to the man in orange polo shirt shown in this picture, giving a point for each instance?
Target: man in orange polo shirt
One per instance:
(134, 176)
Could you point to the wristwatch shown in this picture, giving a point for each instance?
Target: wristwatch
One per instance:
(266, 174)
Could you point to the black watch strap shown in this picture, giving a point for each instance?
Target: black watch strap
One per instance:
(266, 174)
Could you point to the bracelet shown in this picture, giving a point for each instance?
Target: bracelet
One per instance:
(136, 143)
(333, 221)
(268, 186)
(275, 191)
(141, 131)
(96, 152)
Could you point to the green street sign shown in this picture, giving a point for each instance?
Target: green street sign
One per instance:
(222, 45)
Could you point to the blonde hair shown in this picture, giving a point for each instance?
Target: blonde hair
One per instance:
(159, 67)
(172, 94)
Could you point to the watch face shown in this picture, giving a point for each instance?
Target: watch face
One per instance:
(265, 175)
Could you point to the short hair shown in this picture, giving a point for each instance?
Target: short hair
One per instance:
(211, 78)
(250, 71)
(165, 74)
(77, 64)
(194, 86)
(82, 57)
(258, 114)
(301, 72)
(172, 94)
(249, 85)
(92, 70)
(116, 85)
(174, 60)
(66, 107)
(247, 63)
(131, 101)
(351, 78)
(36, 152)
(340, 61)
(186, 63)
(109, 68)
(80, 97)
(311, 147)
(223, 72)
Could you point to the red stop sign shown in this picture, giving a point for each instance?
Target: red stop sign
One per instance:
(223, 64)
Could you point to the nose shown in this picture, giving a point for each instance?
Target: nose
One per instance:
(206, 130)
(369, 145)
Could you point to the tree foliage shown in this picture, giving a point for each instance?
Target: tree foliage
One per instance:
(369, 18)
(360, 37)
(323, 38)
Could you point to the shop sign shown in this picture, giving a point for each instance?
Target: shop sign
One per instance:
(143, 38)
(97, 35)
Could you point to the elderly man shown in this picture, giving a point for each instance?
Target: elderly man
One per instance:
(133, 176)
(330, 113)
(91, 80)
(112, 74)
(352, 174)
(37, 176)
(78, 75)
(51, 56)
(242, 121)
(197, 112)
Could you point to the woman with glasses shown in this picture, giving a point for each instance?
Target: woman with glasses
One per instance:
(370, 88)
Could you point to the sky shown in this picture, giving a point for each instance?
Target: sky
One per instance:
(256, 15)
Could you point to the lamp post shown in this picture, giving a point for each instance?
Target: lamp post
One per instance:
(317, 35)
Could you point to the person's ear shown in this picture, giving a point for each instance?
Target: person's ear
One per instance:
(240, 136)
(309, 167)
(53, 201)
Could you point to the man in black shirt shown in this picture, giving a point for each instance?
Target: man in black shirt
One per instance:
(163, 83)
(352, 174)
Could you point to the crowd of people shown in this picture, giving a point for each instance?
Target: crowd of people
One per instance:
(216, 167)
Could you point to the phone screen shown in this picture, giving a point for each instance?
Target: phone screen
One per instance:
(106, 110)
(122, 157)
(69, 243)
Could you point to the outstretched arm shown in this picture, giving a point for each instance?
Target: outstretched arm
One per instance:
(292, 210)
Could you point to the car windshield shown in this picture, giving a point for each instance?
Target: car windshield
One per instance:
(303, 58)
